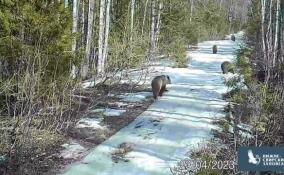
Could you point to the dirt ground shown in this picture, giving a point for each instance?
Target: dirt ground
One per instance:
(98, 98)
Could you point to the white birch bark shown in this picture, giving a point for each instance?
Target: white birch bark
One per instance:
(83, 24)
(101, 38)
(220, 5)
(158, 23)
(132, 18)
(144, 16)
(282, 33)
(74, 31)
(89, 37)
(153, 26)
(263, 5)
(75, 23)
(269, 44)
(191, 10)
(66, 3)
(276, 40)
(107, 25)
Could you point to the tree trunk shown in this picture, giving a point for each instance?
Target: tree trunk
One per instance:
(158, 23)
(100, 68)
(269, 41)
(191, 10)
(83, 23)
(153, 27)
(66, 3)
(89, 38)
(144, 16)
(107, 24)
(263, 5)
(132, 18)
(282, 33)
(277, 27)
(74, 31)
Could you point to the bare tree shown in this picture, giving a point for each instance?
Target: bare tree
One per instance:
(89, 38)
(132, 18)
(66, 3)
(106, 35)
(153, 26)
(277, 28)
(263, 13)
(191, 10)
(100, 68)
(74, 31)
(144, 15)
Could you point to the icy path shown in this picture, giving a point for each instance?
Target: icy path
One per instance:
(171, 126)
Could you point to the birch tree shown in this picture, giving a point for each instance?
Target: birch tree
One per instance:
(100, 68)
(144, 16)
(83, 23)
(158, 23)
(153, 26)
(277, 28)
(74, 31)
(263, 6)
(191, 10)
(106, 35)
(89, 38)
(66, 3)
(282, 32)
(132, 18)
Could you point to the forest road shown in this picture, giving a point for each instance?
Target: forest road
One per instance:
(176, 123)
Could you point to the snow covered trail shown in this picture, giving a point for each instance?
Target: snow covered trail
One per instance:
(174, 124)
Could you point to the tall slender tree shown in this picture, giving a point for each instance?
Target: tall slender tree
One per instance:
(132, 18)
(74, 31)
(66, 3)
(263, 14)
(100, 68)
(89, 39)
(106, 34)
(277, 32)
(144, 15)
(153, 26)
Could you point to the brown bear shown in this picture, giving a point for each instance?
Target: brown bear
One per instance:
(233, 38)
(214, 48)
(226, 67)
(159, 85)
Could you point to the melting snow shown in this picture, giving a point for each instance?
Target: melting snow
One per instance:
(135, 97)
(89, 123)
(110, 112)
(72, 150)
(176, 123)
(88, 84)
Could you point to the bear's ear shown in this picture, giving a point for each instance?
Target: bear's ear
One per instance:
(169, 79)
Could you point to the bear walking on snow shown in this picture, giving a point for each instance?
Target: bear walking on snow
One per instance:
(159, 85)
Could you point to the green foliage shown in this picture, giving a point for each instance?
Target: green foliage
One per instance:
(244, 66)
(36, 32)
(254, 23)
(210, 20)
(174, 32)
(263, 101)
(178, 29)
(35, 43)
(35, 40)
(125, 53)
